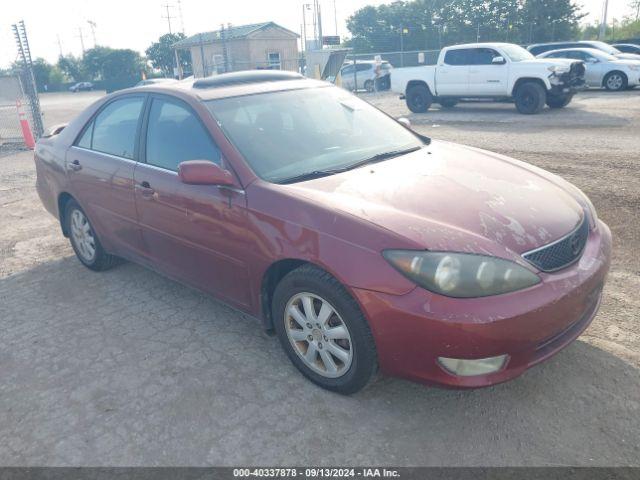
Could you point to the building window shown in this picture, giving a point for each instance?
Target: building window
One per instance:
(273, 61)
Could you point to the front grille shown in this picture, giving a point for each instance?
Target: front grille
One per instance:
(562, 252)
(575, 76)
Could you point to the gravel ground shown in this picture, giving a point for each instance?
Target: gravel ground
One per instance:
(129, 368)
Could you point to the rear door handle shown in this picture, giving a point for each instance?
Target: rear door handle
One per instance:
(145, 189)
(74, 166)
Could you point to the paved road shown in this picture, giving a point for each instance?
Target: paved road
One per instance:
(128, 368)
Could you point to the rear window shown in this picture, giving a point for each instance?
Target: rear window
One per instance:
(457, 57)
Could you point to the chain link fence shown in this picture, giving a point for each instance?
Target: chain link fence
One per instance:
(18, 110)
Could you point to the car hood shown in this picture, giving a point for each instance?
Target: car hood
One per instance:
(548, 62)
(451, 197)
(626, 62)
(628, 56)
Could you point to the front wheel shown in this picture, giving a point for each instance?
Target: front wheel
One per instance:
(369, 86)
(559, 101)
(84, 240)
(615, 81)
(323, 331)
(418, 98)
(530, 98)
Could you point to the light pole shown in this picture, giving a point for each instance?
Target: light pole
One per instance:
(403, 30)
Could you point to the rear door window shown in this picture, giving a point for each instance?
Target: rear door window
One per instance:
(115, 128)
(482, 56)
(457, 57)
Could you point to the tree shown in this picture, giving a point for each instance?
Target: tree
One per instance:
(122, 63)
(71, 67)
(426, 24)
(93, 62)
(162, 56)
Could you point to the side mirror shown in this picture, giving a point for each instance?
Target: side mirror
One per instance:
(405, 121)
(204, 172)
(498, 61)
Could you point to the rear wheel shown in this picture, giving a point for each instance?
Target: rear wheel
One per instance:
(615, 81)
(418, 98)
(323, 331)
(559, 101)
(84, 240)
(530, 98)
(369, 86)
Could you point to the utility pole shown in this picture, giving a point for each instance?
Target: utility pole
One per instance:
(168, 16)
(603, 23)
(81, 39)
(225, 54)
(335, 16)
(92, 25)
(478, 33)
(319, 26)
(60, 45)
(180, 15)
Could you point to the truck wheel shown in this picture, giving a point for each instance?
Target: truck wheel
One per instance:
(448, 103)
(530, 98)
(419, 98)
(558, 101)
(615, 81)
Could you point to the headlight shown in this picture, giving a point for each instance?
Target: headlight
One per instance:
(558, 68)
(461, 275)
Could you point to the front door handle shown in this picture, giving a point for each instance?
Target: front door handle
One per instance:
(146, 190)
(74, 166)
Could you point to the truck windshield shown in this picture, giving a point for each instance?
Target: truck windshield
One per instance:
(289, 134)
(517, 53)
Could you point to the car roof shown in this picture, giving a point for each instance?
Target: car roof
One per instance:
(575, 49)
(480, 45)
(232, 84)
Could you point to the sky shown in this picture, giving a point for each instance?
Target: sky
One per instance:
(56, 25)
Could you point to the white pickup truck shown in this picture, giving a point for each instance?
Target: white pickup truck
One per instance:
(496, 71)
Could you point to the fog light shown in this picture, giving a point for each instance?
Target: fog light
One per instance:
(468, 368)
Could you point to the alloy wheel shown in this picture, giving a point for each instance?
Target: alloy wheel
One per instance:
(83, 237)
(614, 82)
(318, 335)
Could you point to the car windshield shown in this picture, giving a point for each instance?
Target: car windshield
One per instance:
(517, 53)
(603, 56)
(289, 134)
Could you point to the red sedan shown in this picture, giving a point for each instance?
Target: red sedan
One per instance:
(363, 245)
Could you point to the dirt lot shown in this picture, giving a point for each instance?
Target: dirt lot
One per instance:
(129, 368)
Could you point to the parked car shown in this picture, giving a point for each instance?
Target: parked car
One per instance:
(602, 69)
(539, 48)
(365, 75)
(81, 87)
(155, 81)
(627, 47)
(363, 245)
(489, 70)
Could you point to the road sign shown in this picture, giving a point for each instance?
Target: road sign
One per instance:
(331, 40)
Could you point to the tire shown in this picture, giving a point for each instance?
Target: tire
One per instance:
(319, 290)
(530, 98)
(418, 98)
(369, 86)
(81, 234)
(448, 103)
(559, 101)
(615, 81)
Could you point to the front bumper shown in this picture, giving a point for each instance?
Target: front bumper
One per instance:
(411, 331)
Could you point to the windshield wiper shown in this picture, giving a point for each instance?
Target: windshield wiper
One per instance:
(325, 173)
